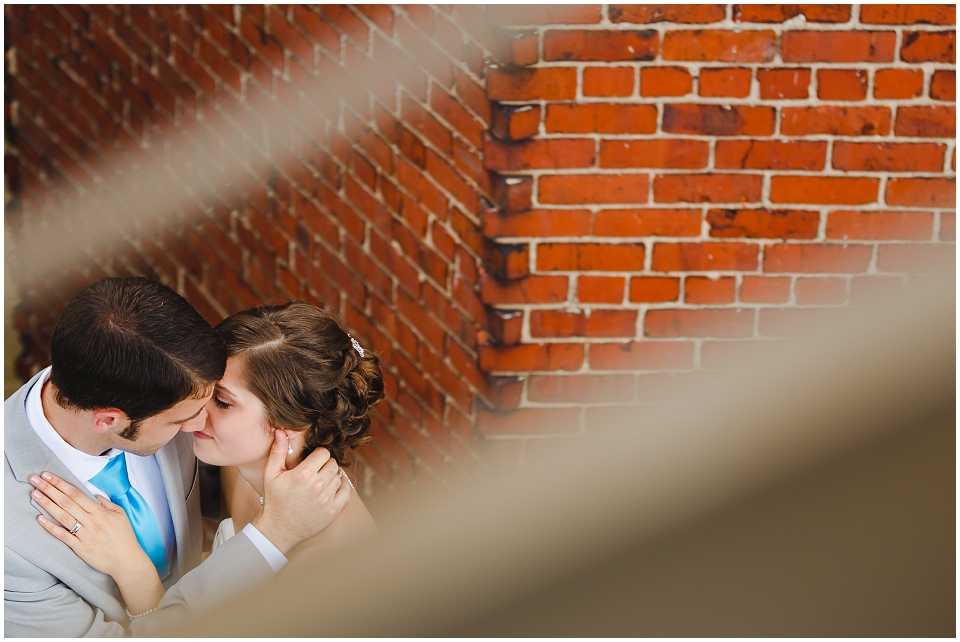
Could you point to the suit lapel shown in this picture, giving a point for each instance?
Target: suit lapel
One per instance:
(171, 470)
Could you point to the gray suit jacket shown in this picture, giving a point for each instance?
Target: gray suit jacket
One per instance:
(49, 591)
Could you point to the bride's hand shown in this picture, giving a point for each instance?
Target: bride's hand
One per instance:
(105, 539)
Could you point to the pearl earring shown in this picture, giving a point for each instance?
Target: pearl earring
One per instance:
(289, 448)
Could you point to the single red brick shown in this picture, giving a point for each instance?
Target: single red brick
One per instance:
(593, 189)
(907, 226)
(927, 46)
(702, 257)
(820, 290)
(943, 86)
(922, 192)
(765, 289)
(511, 122)
(506, 326)
(822, 257)
(601, 118)
(602, 45)
(838, 46)
(608, 81)
(908, 14)
(590, 257)
(654, 289)
(524, 48)
(948, 227)
(530, 289)
(642, 355)
(539, 153)
(531, 357)
(600, 289)
(699, 323)
(668, 153)
(528, 421)
(763, 223)
(791, 322)
(707, 188)
(539, 83)
(866, 290)
(842, 84)
(700, 289)
(826, 12)
(927, 122)
(513, 193)
(888, 157)
(661, 222)
(728, 355)
(582, 388)
(898, 83)
(718, 120)
(770, 154)
(825, 190)
(595, 323)
(720, 45)
(765, 12)
(543, 14)
(728, 81)
(783, 83)
(538, 223)
(917, 257)
(838, 121)
(676, 13)
(665, 81)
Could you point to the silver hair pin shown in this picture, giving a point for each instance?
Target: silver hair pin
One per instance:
(356, 346)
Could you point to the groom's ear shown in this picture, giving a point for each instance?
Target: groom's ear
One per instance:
(109, 420)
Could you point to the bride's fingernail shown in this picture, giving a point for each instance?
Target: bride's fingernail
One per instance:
(36, 494)
(46, 476)
(34, 479)
(41, 519)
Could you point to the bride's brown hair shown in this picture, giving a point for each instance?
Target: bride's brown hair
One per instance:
(301, 364)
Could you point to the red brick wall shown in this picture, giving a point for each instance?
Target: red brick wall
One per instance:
(689, 178)
(375, 212)
(531, 212)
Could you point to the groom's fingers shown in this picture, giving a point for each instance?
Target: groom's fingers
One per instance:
(330, 474)
(315, 461)
(278, 454)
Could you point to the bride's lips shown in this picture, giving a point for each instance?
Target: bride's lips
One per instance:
(200, 435)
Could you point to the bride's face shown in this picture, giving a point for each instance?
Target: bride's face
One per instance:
(236, 431)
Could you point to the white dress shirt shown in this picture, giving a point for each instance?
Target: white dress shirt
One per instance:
(144, 474)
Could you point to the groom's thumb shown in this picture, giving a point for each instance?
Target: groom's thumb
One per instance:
(278, 454)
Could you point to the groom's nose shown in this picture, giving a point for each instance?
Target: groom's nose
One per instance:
(197, 423)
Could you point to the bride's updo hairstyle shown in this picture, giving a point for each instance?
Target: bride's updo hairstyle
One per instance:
(301, 364)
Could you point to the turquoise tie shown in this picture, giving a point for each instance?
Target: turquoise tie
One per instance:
(114, 481)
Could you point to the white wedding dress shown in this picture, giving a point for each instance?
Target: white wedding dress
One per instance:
(226, 530)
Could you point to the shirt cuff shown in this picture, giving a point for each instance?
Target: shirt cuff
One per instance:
(271, 553)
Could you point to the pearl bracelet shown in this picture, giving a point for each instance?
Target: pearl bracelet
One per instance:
(134, 617)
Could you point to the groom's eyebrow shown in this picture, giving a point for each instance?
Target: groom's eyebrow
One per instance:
(194, 416)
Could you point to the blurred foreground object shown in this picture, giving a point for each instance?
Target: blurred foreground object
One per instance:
(811, 495)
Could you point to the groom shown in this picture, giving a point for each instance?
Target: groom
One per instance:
(133, 366)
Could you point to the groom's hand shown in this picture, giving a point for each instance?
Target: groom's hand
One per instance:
(299, 503)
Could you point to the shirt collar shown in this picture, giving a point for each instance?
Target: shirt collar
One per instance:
(82, 465)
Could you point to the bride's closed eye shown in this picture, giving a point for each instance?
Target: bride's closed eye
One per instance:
(222, 405)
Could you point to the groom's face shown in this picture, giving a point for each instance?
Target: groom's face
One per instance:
(156, 431)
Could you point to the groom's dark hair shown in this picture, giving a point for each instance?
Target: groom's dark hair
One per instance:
(135, 345)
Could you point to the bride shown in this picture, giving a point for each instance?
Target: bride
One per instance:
(293, 376)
